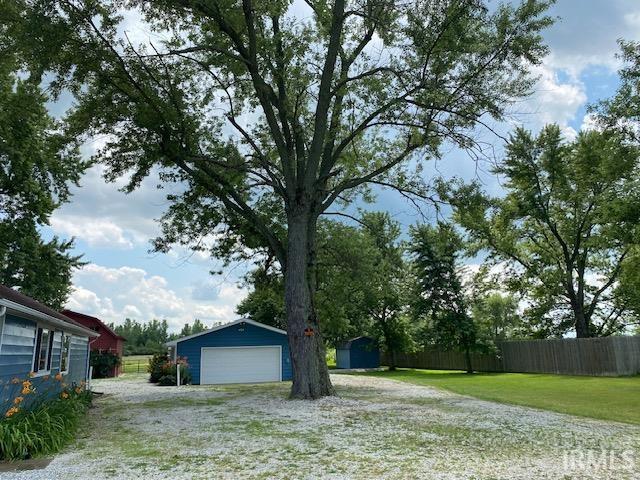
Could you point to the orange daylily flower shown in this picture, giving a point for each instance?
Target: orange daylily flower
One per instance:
(78, 390)
(64, 395)
(17, 400)
(12, 411)
(58, 376)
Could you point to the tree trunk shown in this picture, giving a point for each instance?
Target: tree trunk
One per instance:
(582, 322)
(467, 358)
(393, 361)
(308, 355)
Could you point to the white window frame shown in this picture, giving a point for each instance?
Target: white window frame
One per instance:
(70, 337)
(47, 371)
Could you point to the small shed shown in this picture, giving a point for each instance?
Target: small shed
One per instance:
(243, 351)
(360, 352)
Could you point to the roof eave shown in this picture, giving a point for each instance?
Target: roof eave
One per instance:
(173, 343)
(36, 315)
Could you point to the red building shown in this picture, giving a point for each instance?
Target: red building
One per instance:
(108, 341)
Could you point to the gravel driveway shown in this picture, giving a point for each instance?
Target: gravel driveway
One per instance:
(375, 428)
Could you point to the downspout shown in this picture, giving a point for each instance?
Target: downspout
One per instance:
(3, 313)
(89, 371)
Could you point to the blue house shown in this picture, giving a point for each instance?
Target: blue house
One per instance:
(243, 351)
(36, 344)
(360, 352)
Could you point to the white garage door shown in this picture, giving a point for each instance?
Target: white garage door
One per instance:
(240, 365)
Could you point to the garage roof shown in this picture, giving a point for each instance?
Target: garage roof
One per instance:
(173, 343)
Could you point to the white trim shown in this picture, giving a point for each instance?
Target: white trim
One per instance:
(65, 334)
(42, 373)
(279, 347)
(226, 325)
(36, 315)
(3, 315)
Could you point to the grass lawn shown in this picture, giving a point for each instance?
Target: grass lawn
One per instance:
(604, 398)
(135, 363)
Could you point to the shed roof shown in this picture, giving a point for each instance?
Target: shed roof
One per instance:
(108, 329)
(21, 303)
(173, 343)
(347, 344)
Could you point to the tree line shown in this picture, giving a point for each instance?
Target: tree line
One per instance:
(146, 338)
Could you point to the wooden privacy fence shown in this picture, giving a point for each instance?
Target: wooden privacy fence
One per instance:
(607, 356)
(610, 356)
(441, 360)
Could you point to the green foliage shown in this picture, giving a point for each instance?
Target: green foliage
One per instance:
(439, 297)
(103, 363)
(45, 428)
(156, 365)
(496, 318)
(361, 284)
(38, 164)
(569, 220)
(188, 329)
(143, 338)
(164, 371)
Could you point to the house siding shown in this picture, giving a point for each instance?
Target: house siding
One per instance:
(16, 357)
(238, 335)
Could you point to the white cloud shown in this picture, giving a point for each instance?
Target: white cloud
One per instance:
(555, 101)
(96, 232)
(102, 215)
(114, 294)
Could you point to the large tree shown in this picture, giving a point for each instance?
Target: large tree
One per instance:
(38, 163)
(565, 227)
(439, 299)
(269, 112)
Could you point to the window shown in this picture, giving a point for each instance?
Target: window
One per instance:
(42, 357)
(65, 353)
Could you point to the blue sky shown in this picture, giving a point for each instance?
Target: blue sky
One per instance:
(112, 230)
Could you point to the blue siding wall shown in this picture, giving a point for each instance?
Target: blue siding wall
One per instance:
(343, 358)
(16, 357)
(238, 335)
(16, 352)
(364, 353)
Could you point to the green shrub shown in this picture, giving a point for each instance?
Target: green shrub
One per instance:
(103, 363)
(45, 428)
(156, 366)
(160, 366)
(167, 380)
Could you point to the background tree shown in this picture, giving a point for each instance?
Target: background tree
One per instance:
(565, 227)
(385, 288)
(496, 318)
(361, 282)
(143, 338)
(439, 296)
(38, 164)
(344, 95)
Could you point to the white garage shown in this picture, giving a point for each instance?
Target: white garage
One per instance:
(243, 351)
(240, 364)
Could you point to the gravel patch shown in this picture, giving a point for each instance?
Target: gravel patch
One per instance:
(374, 428)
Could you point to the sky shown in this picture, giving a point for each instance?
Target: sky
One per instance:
(112, 230)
